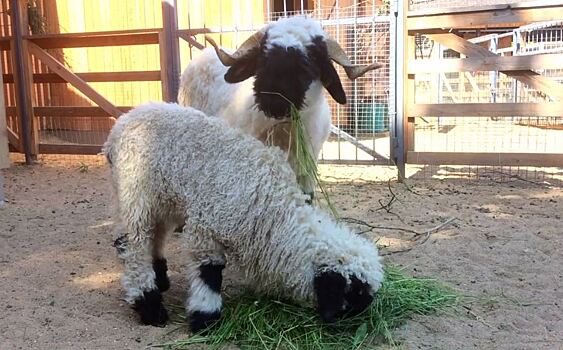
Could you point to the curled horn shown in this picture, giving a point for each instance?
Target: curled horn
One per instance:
(339, 56)
(229, 59)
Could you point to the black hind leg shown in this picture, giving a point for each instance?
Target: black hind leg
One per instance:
(159, 263)
(161, 278)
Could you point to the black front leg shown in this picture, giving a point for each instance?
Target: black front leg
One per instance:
(204, 301)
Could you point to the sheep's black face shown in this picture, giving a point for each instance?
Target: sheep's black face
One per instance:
(337, 299)
(282, 72)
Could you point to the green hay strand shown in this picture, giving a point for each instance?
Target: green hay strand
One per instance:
(306, 163)
(252, 322)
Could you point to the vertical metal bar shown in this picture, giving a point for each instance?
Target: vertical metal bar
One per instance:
(269, 11)
(237, 24)
(493, 75)
(221, 22)
(373, 85)
(170, 31)
(355, 82)
(338, 108)
(398, 72)
(515, 49)
(23, 90)
(2, 197)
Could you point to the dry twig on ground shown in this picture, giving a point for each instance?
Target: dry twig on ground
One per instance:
(425, 235)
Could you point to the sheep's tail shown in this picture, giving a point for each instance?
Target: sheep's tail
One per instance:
(107, 151)
(111, 146)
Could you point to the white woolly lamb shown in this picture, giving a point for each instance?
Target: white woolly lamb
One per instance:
(291, 58)
(239, 202)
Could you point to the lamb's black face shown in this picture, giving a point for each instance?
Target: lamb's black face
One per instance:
(337, 299)
(282, 72)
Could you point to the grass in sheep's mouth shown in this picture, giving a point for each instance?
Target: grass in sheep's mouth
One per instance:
(261, 323)
(306, 163)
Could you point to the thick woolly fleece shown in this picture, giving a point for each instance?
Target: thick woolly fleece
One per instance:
(236, 195)
(203, 86)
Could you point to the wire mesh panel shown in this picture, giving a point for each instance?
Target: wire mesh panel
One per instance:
(514, 134)
(453, 4)
(360, 128)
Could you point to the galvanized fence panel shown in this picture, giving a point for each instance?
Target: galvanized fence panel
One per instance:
(360, 130)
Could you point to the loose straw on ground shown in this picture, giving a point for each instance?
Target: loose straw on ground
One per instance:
(257, 322)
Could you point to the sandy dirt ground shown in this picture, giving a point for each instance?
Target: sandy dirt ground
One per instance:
(60, 278)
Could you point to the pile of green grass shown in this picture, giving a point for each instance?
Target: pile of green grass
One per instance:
(261, 323)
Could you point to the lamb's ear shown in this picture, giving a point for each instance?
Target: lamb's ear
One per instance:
(331, 82)
(242, 69)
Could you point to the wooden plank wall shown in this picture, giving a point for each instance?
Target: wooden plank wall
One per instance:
(71, 16)
(76, 16)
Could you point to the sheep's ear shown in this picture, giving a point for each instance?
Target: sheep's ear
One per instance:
(330, 79)
(241, 70)
(331, 82)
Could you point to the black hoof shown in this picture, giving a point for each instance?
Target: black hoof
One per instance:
(203, 320)
(121, 244)
(161, 280)
(151, 309)
(311, 197)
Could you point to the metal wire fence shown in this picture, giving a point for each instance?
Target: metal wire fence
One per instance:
(452, 4)
(520, 134)
(363, 30)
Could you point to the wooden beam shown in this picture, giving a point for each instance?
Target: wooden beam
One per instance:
(528, 77)
(170, 51)
(78, 83)
(475, 8)
(97, 77)
(5, 43)
(14, 140)
(378, 161)
(190, 40)
(193, 31)
(488, 63)
(69, 111)
(490, 159)
(96, 39)
(550, 109)
(4, 134)
(498, 15)
(46, 148)
(23, 69)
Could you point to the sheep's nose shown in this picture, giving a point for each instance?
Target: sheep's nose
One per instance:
(328, 316)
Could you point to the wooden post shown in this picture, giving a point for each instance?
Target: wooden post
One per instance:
(4, 151)
(169, 51)
(23, 79)
(408, 89)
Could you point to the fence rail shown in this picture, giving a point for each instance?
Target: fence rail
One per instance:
(501, 70)
(473, 103)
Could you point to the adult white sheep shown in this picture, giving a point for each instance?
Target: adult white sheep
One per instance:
(239, 201)
(291, 58)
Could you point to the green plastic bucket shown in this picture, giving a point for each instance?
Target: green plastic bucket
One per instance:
(372, 117)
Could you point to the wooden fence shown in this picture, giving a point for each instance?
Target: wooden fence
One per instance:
(446, 29)
(36, 65)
